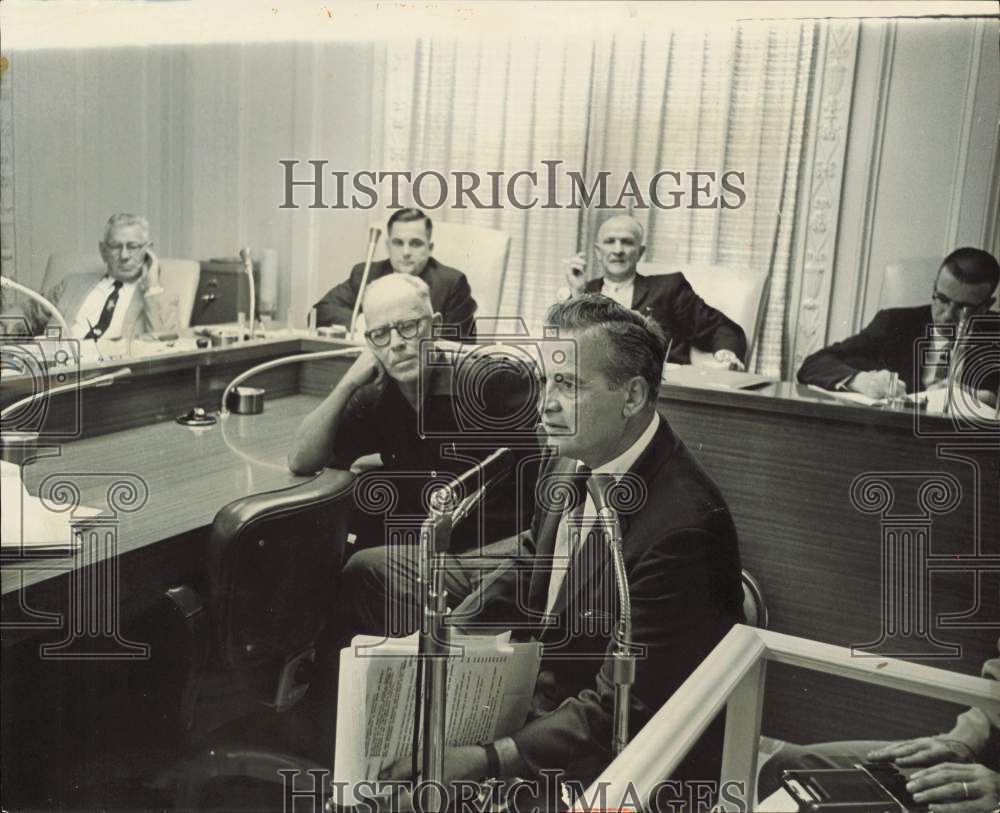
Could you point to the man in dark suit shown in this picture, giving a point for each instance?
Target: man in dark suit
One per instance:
(408, 239)
(865, 362)
(679, 544)
(669, 298)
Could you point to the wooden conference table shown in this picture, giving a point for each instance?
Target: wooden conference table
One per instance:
(785, 457)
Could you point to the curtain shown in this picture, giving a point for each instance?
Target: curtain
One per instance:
(707, 99)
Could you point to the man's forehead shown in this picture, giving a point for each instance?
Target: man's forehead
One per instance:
(409, 229)
(126, 231)
(382, 307)
(619, 227)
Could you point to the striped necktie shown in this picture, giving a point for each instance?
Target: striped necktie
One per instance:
(98, 330)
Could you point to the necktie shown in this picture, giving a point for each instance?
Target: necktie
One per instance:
(568, 527)
(107, 312)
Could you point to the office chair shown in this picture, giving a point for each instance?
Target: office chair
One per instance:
(478, 252)
(754, 606)
(178, 278)
(274, 561)
(908, 282)
(738, 292)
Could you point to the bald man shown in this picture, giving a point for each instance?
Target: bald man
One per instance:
(668, 298)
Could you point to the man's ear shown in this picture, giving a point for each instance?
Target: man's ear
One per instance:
(637, 395)
(642, 250)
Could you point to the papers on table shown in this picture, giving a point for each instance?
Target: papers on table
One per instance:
(845, 395)
(30, 529)
(490, 687)
(693, 375)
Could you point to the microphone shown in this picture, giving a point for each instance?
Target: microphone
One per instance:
(6, 282)
(97, 381)
(623, 666)
(248, 269)
(374, 232)
(954, 361)
(449, 500)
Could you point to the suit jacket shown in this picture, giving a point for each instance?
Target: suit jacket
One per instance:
(888, 343)
(683, 315)
(683, 569)
(450, 295)
(147, 313)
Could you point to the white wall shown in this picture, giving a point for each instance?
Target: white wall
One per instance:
(190, 136)
(921, 155)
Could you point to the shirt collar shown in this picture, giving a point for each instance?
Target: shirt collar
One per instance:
(626, 459)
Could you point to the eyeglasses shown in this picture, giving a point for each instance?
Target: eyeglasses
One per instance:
(407, 328)
(963, 307)
(131, 248)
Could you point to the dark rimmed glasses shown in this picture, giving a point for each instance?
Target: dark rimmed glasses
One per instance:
(407, 328)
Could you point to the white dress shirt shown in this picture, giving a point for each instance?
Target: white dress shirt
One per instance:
(94, 304)
(573, 522)
(620, 292)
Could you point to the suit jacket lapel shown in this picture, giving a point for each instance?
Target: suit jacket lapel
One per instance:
(592, 558)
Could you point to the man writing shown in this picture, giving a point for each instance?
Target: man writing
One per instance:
(865, 363)
(679, 543)
(409, 242)
(111, 305)
(668, 298)
(424, 419)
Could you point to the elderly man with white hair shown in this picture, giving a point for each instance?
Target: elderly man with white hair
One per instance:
(126, 298)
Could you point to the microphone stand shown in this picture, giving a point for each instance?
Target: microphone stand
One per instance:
(433, 648)
(623, 670)
(5, 282)
(954, 363)
(373, 234)
(248, 270)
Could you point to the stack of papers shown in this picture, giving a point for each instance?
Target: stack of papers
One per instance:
(490, 688)
(29, 529)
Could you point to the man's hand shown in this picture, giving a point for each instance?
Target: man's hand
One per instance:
(727, 360)
(150, 280)
(876, 385)
(367, 369)
(921, 751)
(461, 763)
(575, 267)
(953, 788)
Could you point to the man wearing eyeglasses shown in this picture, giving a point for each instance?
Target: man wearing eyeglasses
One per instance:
(109, 305)
(421, 428)
(866, 363)
(409, 242)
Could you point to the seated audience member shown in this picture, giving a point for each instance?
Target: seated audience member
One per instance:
(684, 317)
(409, 241)
(964, 286)
(109, 305)
(956, 772)
(679, 543)
(377, 407)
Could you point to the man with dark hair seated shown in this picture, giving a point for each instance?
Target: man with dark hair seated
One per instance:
(409, 242)
(601, 378)
(965, 286)
(959, 772)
